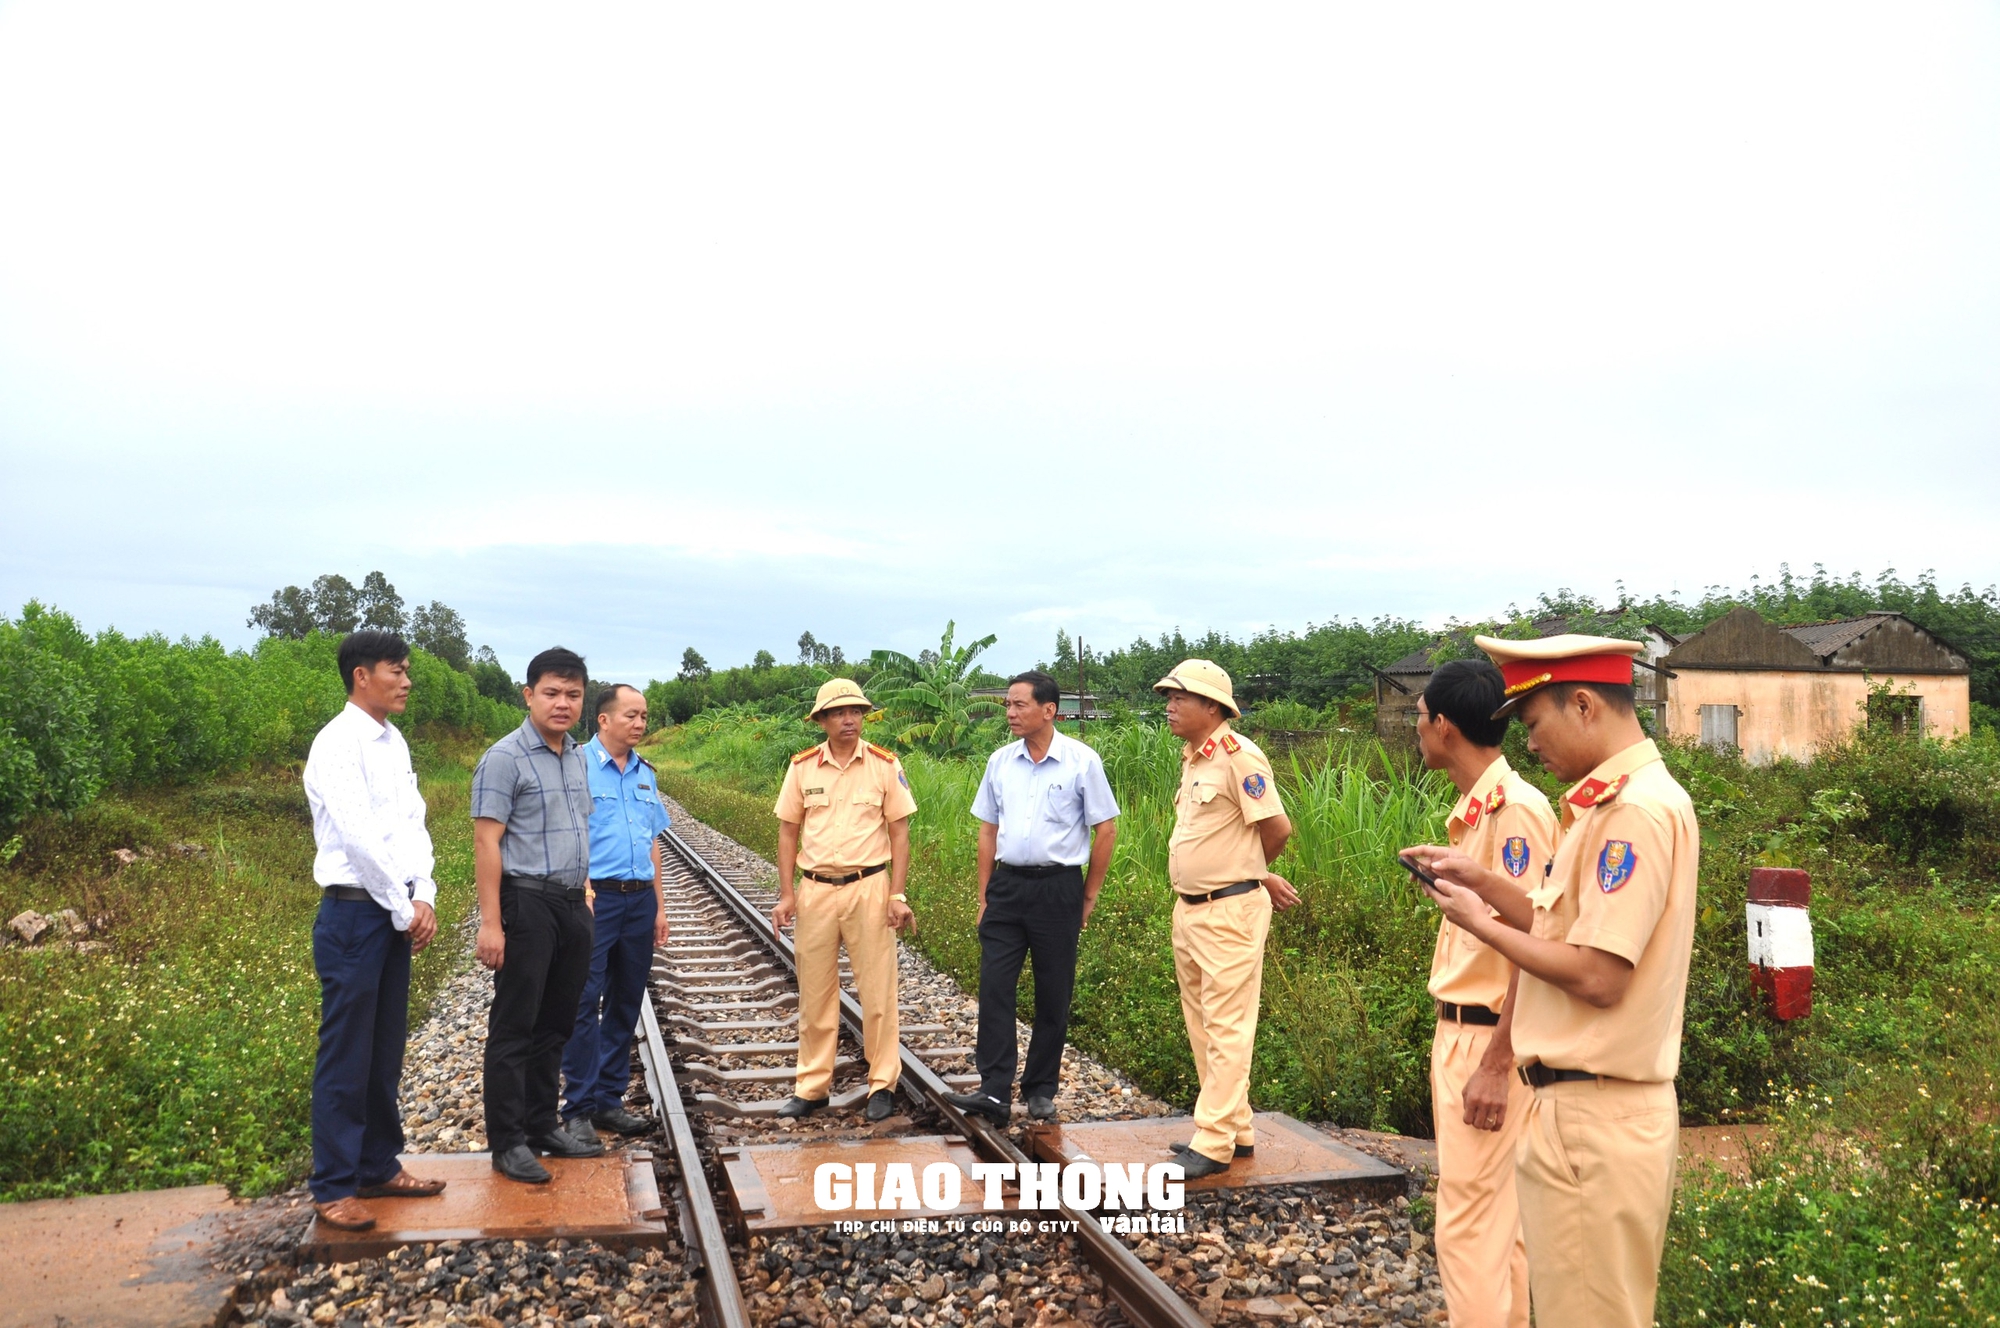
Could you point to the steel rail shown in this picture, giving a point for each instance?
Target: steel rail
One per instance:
(702, 1234)
(1146, 1300)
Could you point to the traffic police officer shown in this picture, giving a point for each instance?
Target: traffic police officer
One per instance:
(629, 907)
(1604, 965)
(843, 822)
(1502, 822)
(1229, 824)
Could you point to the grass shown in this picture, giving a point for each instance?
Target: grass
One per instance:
(183, 1053)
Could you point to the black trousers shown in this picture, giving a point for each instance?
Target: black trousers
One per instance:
(1040, 917)
(535, 997)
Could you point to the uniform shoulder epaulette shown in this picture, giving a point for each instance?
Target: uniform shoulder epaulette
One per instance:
(1231, 743)
(1595, 792)
(1498, 800)
(882, 752)
(810, 751)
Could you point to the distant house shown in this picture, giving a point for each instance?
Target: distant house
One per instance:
(1067, 708)
(1398, 686)
(1785, 691)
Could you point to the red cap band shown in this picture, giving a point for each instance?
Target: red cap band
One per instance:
(1524, 675)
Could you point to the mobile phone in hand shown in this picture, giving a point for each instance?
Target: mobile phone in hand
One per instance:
(1417, 870)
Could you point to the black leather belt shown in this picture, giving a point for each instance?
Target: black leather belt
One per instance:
(1469, 1014)
(1539, 1075)
(360, 896)
(543, 887)
(1240, 888)
(849, 878)
(621, 887)
(1036, 873)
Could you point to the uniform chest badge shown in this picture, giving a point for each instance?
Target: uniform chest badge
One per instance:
(1615, 864)
(1253, 784)
(814, 792)
(1471, 814)
(1514, 856)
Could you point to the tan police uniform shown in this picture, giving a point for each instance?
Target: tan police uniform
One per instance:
(1503, 823)
(1595, 1167)
(1226, 789)
(843, 811)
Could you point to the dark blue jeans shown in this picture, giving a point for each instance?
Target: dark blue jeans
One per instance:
(364, 1015)
(597, 1063)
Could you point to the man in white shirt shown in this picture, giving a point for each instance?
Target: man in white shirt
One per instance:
(1045, 809)
(376, 910)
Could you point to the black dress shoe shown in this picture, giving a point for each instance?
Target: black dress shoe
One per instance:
(796, 1106)
(620, 1121)
(980, 1105)
(581, 1130)
(1041, 1108)
(561, 1143)
(881, 1105)
(518, 1163)
(1195, 1165)
(1242, 1150)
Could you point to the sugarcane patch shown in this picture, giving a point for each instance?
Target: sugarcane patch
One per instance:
(1615, 864)
(1514, 856)
(1253, 784)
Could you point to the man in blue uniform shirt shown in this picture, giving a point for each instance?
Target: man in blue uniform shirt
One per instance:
(626, 818)
(1045, 810)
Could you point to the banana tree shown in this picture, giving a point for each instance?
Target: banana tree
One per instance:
(928, 702)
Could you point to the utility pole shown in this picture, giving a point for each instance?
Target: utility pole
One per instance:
(1080, 693)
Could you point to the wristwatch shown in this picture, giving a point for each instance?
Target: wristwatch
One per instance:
(899, 899)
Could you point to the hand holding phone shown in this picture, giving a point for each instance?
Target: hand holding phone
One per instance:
(1417, 870)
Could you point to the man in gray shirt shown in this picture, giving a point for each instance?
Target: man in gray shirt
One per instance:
(531, 860)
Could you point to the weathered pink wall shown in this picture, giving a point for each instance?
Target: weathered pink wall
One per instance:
(1791, 714)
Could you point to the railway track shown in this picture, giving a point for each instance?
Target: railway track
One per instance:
(717, 1048)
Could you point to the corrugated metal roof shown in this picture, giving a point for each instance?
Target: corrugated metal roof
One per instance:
(1825, 638)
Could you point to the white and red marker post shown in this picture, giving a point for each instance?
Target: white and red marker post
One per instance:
(1781, 943)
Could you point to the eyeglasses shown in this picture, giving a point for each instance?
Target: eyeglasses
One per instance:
(1416, 719)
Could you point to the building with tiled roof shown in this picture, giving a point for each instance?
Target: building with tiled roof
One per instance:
(1788, 691)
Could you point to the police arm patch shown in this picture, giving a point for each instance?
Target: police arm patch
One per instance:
(1514, 855)
(1253, 784)
(1615, 864)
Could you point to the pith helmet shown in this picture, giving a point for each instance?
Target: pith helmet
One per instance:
(1528, 666)
(1203, 677)
(838, 692)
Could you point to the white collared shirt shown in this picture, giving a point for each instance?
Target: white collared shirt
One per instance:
(1044, 809)
(368, 817)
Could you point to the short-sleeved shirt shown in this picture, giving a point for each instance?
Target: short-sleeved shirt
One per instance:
(1503, 823)
(1226, 788)
(843, 809)
(626, 814)
(1623, 881)
(1044, 809)
(543, 798)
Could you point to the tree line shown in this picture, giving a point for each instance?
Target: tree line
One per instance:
(335, 606)
(82, 713)
(1330, 665)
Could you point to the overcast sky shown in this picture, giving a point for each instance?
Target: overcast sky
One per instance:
(704, 325)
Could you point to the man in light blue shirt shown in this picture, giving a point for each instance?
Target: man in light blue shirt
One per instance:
(629, 913)
(1046, 810)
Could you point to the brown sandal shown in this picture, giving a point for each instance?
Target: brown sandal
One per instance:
(346, 1214)
(402, 1185)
